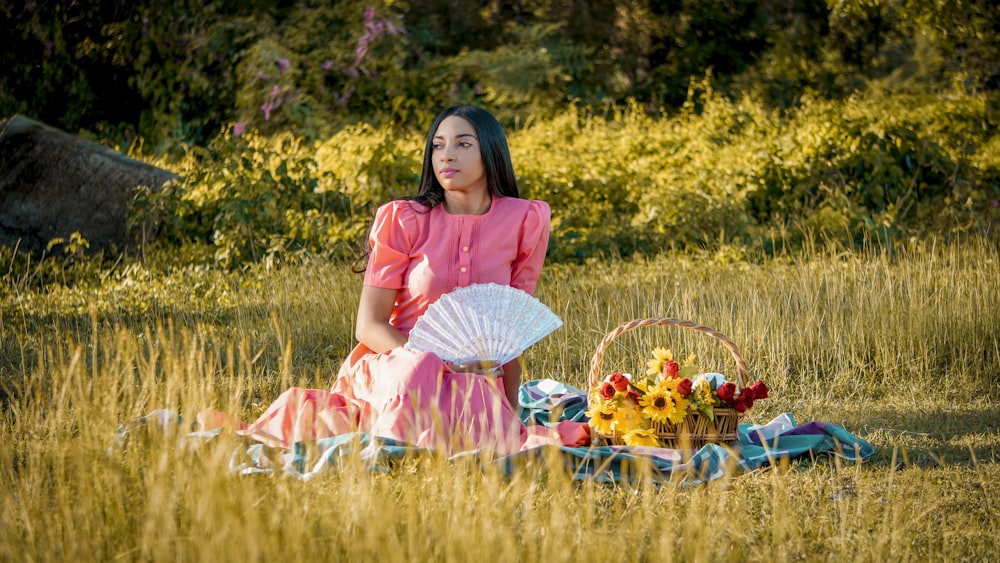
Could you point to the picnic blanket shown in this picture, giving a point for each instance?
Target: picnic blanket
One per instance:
(549, 402)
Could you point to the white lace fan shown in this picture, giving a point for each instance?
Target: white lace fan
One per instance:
(485, 321)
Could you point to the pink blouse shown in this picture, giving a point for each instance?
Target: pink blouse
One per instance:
(427, 254)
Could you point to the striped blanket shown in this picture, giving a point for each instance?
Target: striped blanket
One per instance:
(549, 402)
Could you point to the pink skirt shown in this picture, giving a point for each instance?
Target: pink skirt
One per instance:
(405, 395)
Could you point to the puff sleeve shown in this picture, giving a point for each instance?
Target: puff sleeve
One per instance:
(390, 243)
(533, 243)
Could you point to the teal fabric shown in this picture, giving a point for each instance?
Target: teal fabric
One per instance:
(614, 463)
(546, 402)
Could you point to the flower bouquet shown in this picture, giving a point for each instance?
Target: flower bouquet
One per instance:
(674, 404)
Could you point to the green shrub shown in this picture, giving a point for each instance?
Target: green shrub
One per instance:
(876, 167)
(719, 173)
(251, 197)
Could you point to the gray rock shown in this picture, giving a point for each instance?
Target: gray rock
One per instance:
(53, 184)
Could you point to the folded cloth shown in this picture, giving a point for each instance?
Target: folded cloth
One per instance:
(758, 448)
(548, 402)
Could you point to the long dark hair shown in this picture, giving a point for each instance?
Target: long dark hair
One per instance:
(500, 178)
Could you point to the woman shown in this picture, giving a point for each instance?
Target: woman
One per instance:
(466, 225)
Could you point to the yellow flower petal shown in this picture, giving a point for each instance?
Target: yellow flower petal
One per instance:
(660, 356)
(657, 404)
(680, 408)
(626, 419)
(641, 437)
(602, 416)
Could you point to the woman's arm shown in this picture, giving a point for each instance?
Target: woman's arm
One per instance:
(512, 381)
(373, 328)
(509, 374)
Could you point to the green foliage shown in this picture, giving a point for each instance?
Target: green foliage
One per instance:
(525, 77)
(54, 67)
(369, 165)
(165, 74)
(719, 173)
(75, 246)
(183, 56)
(593, 172)
(323, 67)
(26, 273)
(257, 197)
(699, 36)
(377, 69)
(251, 197)
(877, 169)
(836, 48)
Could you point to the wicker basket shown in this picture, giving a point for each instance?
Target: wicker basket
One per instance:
(695, 430)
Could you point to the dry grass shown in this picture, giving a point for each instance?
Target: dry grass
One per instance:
(900, 348)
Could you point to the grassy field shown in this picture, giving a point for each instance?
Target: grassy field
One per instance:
(899, 347)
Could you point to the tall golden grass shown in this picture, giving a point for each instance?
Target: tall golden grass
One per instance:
(899, 345)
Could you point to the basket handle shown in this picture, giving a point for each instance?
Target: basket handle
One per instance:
(595, 362)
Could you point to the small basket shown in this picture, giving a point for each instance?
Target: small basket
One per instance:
(695, 430)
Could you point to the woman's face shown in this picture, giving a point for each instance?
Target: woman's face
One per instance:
(456, 156)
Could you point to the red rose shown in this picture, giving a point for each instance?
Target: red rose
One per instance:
(608, 391)
(748, 392)
(743, 403)
(684, 387)
(633, 396)
(619, 381)
(726, 391)
(759, 390)
(739, 405)
(671, 369)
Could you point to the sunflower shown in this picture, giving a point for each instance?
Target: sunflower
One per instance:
(602, 416)
(680, 409)
(642, 385)
(680, 403)
(627, 419)
(641, 437)
(658, 403)
(654, 366)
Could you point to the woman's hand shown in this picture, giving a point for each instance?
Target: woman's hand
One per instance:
(478, 367)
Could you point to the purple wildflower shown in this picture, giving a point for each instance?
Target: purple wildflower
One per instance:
(362, 49)
(342, 98)
(271, 104)
(374, 28)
